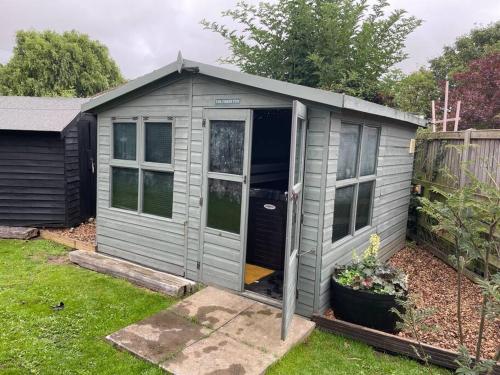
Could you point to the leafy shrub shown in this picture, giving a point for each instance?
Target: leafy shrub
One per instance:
(367, 273)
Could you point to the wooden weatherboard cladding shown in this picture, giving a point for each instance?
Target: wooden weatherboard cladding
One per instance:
(173, 244)
(41, 176)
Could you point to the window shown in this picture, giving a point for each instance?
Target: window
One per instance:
(158, 142)
(227, 144)
(355, 179)
(142, 174)
(124, 140)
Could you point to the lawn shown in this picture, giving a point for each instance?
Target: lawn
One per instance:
(35, 339)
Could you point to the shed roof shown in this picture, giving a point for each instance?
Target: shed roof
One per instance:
(38, 113)
(297, 91)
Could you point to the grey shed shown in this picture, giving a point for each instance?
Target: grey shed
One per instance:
(248, 183)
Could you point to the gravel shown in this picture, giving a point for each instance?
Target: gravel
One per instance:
(84, 232)
(433, 285)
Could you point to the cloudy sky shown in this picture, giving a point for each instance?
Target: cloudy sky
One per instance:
(143, 35)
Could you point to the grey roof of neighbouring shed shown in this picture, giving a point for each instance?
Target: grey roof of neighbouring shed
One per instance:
(297, 91)
(38, 113)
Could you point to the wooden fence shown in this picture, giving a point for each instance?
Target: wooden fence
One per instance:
(478, 150)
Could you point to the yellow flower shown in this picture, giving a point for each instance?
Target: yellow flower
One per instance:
(372, 250)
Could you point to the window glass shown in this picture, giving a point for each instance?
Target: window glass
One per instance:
(125, 188)
(348, 153)
(298, 151)
(224, 205)
(365, 192)
(158, 142)
(368, 151)
(342, 212)
(124, 140)
(226, 146)
(158, 193)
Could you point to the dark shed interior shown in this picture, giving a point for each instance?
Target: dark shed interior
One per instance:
(267, 202)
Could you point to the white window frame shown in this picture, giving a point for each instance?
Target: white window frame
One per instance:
(356, 181)
(139, 163)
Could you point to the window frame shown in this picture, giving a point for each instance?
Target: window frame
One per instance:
(139, 163)
(356, 181)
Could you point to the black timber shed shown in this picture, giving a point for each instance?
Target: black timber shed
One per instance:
(47, 162)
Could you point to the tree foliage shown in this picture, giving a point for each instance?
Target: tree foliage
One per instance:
(478, 87)
(50, 64)
(412, 93)
(456, 58)
(343, 45)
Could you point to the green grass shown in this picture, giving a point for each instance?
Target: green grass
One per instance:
(36, 340)
(324, 353)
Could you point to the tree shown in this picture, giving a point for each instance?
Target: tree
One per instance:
(470, 216)
(477, 43)
(415, 91)
(478, 88)
(50, 64)
(344, 45)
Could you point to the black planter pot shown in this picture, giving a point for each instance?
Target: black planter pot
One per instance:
(365, 308)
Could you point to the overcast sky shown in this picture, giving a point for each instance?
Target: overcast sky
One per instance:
(143, 35)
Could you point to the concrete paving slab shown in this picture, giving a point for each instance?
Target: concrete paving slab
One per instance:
(212, 307)
(219, 354)
(260, 326)
(158, 337)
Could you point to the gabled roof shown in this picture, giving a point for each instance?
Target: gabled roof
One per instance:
(38, 113)
(296, 91)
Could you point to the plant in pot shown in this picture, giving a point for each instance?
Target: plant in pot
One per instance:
(365, 291)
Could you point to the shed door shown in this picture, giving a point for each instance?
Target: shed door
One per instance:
(294, 213)
(225, 195)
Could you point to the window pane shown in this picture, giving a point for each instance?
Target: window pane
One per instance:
(158, 193)
(342, 212)
(226, 146)
(298, 152)
(224, 205)
(124, 140)
(124, 191)
(158, 142)
(364, 204)
(369, 151)
(348, 153)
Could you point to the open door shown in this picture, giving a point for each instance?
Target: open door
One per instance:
(294, 211)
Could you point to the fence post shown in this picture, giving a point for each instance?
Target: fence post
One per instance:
(465, 156)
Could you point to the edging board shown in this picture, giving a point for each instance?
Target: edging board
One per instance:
(389, 343)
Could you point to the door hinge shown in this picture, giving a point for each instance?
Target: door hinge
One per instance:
(203, 123)
(197, 265)
(201, 201)
(245, 179)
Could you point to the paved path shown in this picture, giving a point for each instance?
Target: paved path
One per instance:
(212, 332)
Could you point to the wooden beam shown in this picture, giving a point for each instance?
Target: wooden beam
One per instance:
(457, 115)
(389, 343)
(445, 110)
